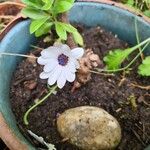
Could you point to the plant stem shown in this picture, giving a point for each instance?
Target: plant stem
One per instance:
(70, 40)
(25, 118)
(124, 68)
(20, 55)
(138, 39)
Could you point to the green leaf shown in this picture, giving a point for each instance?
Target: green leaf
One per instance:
(33, 3)
(44, 29)
(130, 2)
(144, 68)
(78, 38)
(36, 24)
(33, 13)
(48, 4)
(115, 58)
(68, 27)
(147, 13)
(61, 32)
(61, 6)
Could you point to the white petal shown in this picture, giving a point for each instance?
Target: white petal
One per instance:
(77, 52)
(51, 52)
(69, 75)
(71, 66)
(75, 61)
(61, 46)
(54, 75)
(61, 80)
(77, 65)
(50, 66)
(44, 61)
(44, 75)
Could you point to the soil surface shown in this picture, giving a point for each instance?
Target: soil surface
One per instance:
(119, 95)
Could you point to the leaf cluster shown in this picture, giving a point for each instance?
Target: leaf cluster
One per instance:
(44, 17)
(116, 57)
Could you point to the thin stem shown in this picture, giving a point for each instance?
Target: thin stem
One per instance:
(25, 118)
(142, 43)
(138, 40)
(124, 68)
(105, 74)
(33, 46)
(20, 55)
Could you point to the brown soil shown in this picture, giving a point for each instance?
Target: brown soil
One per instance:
(127, 103)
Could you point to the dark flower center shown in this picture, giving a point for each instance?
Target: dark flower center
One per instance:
(62, 59)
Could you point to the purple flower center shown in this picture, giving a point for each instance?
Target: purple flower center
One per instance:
(62, 59)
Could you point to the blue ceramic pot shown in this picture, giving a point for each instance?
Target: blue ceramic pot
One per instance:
(18, 40)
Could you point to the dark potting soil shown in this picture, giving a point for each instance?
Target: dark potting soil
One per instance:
(119, 95)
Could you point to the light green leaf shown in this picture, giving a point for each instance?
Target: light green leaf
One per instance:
(147, 13)
(78, 38)
(68, 27)
(144, 68)
(61, 6)
(61, 32)
(36, 24)
(44, 29)
(48, 4)
(115, 58)
(33, 3)
(33, 13)
(130, 2)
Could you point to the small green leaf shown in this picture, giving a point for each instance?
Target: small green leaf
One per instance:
(78, 38)
(68, 27)
(115, 58)
(61, 6)
(147, 13)
(130, 2)
(33, 13)
(144, 68)
(61, 32)
(36, 24)
(44, 29)
(48, 4)
(33, 3)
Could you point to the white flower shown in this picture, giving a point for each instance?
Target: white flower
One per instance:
(60, 63)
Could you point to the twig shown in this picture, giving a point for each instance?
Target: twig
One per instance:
(7, 17)
(142, 131)
(138, 137)
(20, 55)
(140, 86)
(13, 3)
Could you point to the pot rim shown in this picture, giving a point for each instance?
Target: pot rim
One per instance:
(6, 134)
(11, 140)
(107, 2)
(14, 21)
(119, 5)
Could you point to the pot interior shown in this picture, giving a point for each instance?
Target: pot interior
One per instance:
(18, 40)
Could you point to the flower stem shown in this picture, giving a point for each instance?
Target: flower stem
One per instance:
(25, 118)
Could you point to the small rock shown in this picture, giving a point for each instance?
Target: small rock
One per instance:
(89, 128)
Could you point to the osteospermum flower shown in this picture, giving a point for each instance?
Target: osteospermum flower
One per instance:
(60, 63)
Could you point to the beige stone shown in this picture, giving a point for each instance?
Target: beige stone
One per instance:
(89, 128)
